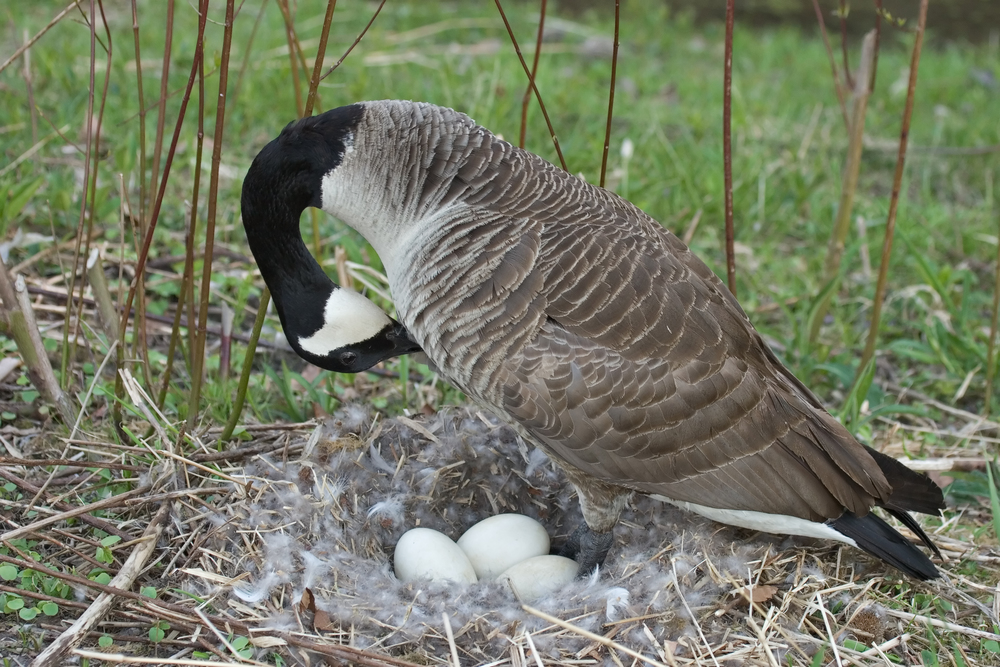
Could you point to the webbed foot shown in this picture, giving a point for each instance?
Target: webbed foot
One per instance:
(588, 548)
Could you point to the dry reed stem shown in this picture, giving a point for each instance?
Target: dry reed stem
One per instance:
(451, 640)
(123, 659)
(833, 64)
(852, 169)
(161, 103)
(292, 40)
(534, 86)
(198, 352)
(196, 69)
(88, 200)
(30, 88)
(526, 98)
(727, 146)
(897, 183)
(24, 328)
(107, 503)
(842, 15)
(125, 578)
(107, 314)
(143, 194)
(324, 37)
(27, 45)
(611, 92)
(991, 344)
(600, 639)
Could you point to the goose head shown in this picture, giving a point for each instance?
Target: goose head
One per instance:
(331, 327)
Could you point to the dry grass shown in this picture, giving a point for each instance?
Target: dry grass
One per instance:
(287, 541)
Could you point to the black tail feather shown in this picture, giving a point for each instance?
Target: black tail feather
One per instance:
(880, 539)
(911, 523)
(911, 491)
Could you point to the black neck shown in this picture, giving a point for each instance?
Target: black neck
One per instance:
(298, 284)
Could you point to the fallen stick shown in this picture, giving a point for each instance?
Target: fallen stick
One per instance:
(74, 634)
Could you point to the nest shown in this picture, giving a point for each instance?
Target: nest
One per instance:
(310, 549)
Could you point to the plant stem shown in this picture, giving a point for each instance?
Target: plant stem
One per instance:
(241, 391)
(198, 354)
(611, 94)
(526, 99)
(727, 146)
(890, 225)
(534, 86)
(155, 213)
(833, 64)
(317, 72)
(842, 223)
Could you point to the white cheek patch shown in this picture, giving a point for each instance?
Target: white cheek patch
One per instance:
(348, 318)
(779, 524)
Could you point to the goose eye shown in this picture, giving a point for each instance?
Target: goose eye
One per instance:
(348, 358)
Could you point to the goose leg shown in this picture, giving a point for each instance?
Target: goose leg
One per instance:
(602, 504)
(588, 548)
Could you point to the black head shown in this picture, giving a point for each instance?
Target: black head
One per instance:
(289, 170)
(391, 341)
(284, 179)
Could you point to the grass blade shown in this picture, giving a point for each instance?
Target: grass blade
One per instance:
(994, 497)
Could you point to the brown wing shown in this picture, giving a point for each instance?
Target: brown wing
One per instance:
(616, 348)
(646, 373)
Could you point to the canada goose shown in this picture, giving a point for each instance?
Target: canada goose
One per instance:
(577, 319)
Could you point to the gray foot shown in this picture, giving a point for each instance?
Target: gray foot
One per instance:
(588, 548)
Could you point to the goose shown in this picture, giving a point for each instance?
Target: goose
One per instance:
(577, 319)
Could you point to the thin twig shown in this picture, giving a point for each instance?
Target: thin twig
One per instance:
(833, 64)
(324, 36)
(534, 86)
(27, 45)
(526, 99)
(357, 41)
(849, 185)
(842, 13)
(126, 576)
(611, 94)
(113, 501)
(727, 146)
(198, 353)
(890, 227)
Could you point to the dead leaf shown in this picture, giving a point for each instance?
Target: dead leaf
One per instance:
(757, 594)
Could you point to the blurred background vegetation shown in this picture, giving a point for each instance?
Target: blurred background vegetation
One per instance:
(84, 146)
(790, 143)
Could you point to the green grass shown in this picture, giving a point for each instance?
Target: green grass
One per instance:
(789, 148)
(788, 136)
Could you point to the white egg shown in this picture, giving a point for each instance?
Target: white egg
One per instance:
(422, 553)
(496, 543)
(539, 576)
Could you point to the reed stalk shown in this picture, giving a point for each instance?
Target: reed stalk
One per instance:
(897, 183)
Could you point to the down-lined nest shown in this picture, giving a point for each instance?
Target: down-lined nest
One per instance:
(310, 550)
